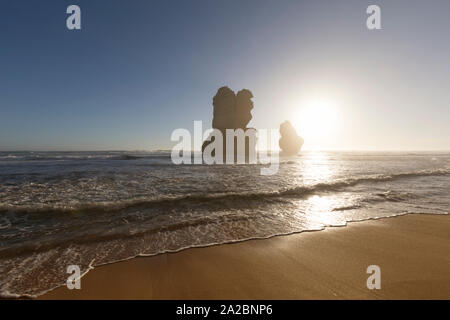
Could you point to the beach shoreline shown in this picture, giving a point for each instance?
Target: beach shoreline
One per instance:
(411, 251)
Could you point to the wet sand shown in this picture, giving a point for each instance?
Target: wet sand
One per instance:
(412, 251)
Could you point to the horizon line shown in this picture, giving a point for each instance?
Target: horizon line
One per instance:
(169, 150)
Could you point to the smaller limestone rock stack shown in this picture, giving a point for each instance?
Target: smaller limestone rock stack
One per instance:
(290, 143)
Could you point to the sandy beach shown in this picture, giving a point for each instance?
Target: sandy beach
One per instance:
(412, 252)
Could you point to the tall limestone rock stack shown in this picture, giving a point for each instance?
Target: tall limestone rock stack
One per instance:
(290, 143)
(224, 103)
(232, 111)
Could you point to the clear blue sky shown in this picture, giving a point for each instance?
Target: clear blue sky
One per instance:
(139, 69)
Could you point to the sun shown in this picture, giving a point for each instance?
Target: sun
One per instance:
(316, 120)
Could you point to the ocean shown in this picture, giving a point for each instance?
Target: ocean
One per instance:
(93, 208)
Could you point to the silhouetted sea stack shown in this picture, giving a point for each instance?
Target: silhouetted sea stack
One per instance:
(290, 143)
(232, 111)
(244, 106)
(224, 103)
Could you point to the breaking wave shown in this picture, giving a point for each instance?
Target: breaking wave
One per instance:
(301, 191)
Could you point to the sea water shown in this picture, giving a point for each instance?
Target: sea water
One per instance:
(92, 208)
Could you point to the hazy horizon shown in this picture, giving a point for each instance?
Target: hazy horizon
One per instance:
(169, 150)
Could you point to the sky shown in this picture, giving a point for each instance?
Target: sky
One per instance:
(139, 69)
